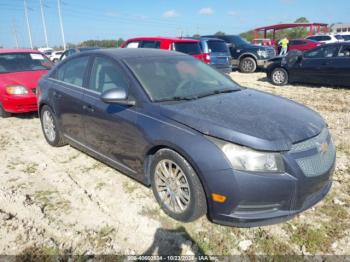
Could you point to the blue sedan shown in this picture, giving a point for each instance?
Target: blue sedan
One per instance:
(205, 145)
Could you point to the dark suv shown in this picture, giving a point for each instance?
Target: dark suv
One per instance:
(246, 56)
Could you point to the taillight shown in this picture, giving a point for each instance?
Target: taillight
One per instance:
(206, 58)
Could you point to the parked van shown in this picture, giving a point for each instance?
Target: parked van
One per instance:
(216, 53)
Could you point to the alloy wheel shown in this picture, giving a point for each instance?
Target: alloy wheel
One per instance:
(279, 77)
(248, 65)
(172, 186)
(49, 126)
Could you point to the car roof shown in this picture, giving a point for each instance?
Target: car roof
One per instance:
(87, 48)
(172, 39)
(17, 50)
(122, 53)
(211, 39)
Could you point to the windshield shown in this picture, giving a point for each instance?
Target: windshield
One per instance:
(179, 78)
(18, 62)
(190, 48)
(217, 47)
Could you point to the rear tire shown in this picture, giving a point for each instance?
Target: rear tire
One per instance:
(52, 133)
(3, 113)
(279, 76)
(177, 187)
(247, 65)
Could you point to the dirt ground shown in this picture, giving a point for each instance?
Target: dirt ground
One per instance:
(59, 200)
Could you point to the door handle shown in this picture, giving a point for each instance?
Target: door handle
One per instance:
(56, 94)
(88, 108)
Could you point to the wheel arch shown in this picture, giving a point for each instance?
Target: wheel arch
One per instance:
(154, 149)
(244, 55)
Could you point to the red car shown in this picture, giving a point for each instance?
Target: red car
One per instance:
(302, 44)
(20, 71)
(187, 46)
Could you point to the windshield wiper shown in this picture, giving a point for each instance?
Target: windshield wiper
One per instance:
(177, 98)
(216, 92)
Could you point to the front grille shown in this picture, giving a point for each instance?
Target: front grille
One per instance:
(316, 155)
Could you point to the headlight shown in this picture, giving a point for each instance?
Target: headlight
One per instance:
(16, 90)
(247, 159)
(263, 53)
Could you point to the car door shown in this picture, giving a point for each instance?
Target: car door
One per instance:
(341, 67)
(316, 65)
(111, 129)
(67, 95)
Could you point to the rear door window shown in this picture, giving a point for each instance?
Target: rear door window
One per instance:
(190, 48)
(344, 52)
(73, 71)
(150, 44)
(323, 52)
(217, 47)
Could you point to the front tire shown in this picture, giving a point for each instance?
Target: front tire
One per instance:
(279, 77)
(247, 65)
(50, 127)
(3, 113)
(177, 187)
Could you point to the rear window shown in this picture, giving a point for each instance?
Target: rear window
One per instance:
(191, 48)
(217, 47)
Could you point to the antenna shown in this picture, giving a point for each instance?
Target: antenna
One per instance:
(15, 32)
(61, 23)
(44, 24)
(28, 25)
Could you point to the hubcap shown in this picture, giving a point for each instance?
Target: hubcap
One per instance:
(247, 66)
(278, 77)
(172, 186)
(49, 126)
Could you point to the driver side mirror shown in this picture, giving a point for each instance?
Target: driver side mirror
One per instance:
(116, 96)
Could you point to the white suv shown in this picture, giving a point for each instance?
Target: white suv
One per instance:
(55, 56)
(325, 39)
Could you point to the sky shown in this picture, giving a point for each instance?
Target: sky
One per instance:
(111, 19)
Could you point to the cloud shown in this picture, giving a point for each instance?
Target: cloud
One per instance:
(206, 11)
(233, 13)
(170, 14)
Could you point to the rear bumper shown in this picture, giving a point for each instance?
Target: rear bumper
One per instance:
(226, 69)
(20, 104)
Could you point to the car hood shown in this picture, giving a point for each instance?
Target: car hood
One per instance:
(28, 79)
(256, 47)
(248, 117)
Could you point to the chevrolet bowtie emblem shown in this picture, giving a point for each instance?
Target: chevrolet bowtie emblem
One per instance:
(323, 148)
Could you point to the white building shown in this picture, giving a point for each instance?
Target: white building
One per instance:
(340, 28)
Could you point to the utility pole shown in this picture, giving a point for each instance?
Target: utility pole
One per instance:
(61, 23)
(44, 24)
(15, 32)
(28, 25)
